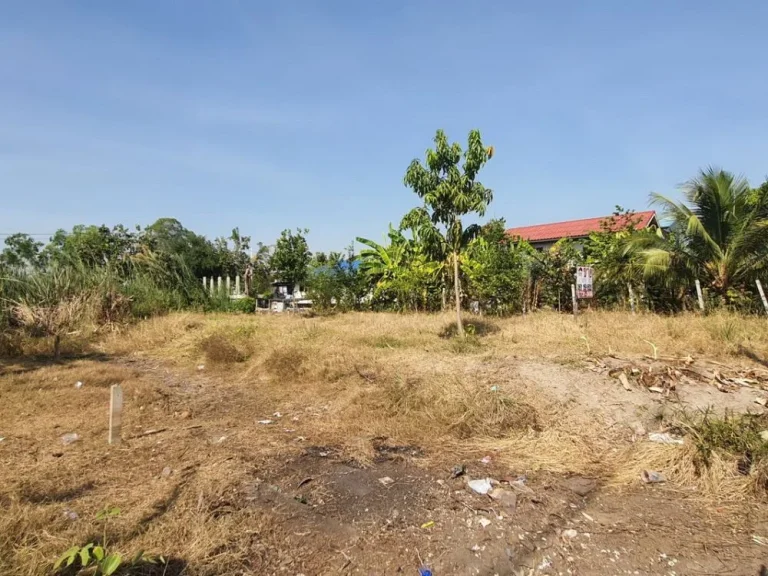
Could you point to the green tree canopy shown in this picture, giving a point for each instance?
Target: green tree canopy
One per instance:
(290, 261)
(450, 191)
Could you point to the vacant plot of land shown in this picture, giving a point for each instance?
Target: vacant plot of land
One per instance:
(345, 444)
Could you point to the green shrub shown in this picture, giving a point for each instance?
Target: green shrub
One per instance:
(245, 305)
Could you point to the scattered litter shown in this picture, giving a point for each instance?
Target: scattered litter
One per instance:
(78, 385)
(504, 497)
(295, 419)
(265, 421)
(166, 472)
(484, 522)
(625, 382)
(70, 515)
(277, 415)
(428, 524)
(386, 480)
(2, 438)
(306, 480)
(289, 430)
(425, 572)
(458, 470)
(201, 367)
(70, 438)
(587, 516)
(761, 540)
(475, 548)
(651, 477)
(481, 486)
(220, 440)
(569, 534)
(545, 563)
(764, 435)
(485, 460)
(656, 389)
(664, 438)
(494, 388)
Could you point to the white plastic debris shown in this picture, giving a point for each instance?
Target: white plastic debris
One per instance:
(70, 438)
(484, 522)
(570, 534)
(485, 460)
(386, 480)
(70, 515)
(78, 384)
(482, 486)
(664, 438)
(545, 563)
(201, 366)
(265, 421)
(277, 415)
(651, 477)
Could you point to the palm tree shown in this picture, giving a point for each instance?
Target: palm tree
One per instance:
(718, 234)
(450, 192)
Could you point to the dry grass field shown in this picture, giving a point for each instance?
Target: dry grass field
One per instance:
(286, 444)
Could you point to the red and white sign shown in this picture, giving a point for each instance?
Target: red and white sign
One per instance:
(584, 275)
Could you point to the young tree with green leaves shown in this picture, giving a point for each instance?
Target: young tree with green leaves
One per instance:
(451, 191)
(290, 260)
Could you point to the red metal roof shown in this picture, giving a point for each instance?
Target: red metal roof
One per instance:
(577, 228)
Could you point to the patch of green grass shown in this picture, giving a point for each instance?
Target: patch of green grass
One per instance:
(735, 434)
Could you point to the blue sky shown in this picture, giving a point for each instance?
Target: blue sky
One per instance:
(269, 115)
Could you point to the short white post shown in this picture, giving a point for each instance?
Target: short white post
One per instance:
(237, 284)
(631, 297)
(210, 286)
(219, 285)
(762, 295)
(700, 295)
(228, 286)
(204, 283)
(115, 413)
(575, 301)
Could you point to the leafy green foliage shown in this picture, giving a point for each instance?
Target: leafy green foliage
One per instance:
(95, 558)
(290, 261)
(719, 235)
(335, 281)
(22, 252)
(450, 192)
(497, 269)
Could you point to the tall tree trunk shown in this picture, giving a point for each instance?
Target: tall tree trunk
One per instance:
(457, 292)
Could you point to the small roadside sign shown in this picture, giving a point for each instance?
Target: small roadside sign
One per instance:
(584, 275)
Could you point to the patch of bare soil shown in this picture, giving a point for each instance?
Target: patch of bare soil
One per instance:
(200, 451)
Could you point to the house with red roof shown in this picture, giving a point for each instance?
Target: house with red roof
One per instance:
(542, 236)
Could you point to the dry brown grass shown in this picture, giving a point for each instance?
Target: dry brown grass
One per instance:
(342, 381)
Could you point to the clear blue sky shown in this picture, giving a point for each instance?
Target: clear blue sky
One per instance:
(267, 115)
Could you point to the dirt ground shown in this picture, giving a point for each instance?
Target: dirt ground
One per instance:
(234, 468)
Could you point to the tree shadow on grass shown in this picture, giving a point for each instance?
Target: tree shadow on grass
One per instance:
(34, 496)
(744, 351)
(473, 327)
(24, 364)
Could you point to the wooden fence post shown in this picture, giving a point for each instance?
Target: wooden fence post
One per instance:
(575, 301)
(631, 297)
(762, 295)
(115, 413)
(700, 295)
